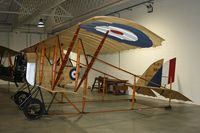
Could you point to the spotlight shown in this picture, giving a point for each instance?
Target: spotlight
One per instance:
(149, 7)
(40, 24)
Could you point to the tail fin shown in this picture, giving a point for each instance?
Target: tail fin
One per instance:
(153, 74)
(159, 73)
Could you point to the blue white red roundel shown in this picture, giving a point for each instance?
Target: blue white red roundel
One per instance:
(72, 74)
(120, 33)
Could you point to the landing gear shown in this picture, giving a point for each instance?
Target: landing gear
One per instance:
(131, 100)
(33, 109)
(20, 96)
(168, 107)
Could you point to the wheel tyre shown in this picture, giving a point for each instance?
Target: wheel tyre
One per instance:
(14, 97)
(33, 109)
(168, 107)
(20, 96)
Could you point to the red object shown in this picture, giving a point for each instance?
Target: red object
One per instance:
(11, 64)
(172, 65)
(117, 32)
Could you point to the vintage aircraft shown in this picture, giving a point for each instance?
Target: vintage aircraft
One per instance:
(47, 64)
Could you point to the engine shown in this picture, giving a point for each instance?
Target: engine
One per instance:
(20, 68)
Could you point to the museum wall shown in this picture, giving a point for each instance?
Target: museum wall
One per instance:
(19, 40)
(177, 21)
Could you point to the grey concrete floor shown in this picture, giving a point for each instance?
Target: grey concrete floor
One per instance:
(183, 118)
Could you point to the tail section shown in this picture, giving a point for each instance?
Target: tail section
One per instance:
(159, 73)
(153, 74)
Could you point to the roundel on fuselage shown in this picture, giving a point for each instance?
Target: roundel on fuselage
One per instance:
(72, 74)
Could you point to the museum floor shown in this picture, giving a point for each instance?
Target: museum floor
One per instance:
(183, 118)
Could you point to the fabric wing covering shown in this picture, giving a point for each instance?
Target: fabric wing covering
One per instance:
(4, 51)
(123, 35)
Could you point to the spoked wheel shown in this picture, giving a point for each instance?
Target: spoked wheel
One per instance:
(20, 96)
(33, 109)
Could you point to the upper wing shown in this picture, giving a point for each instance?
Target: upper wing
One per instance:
(123, 35)
(4, 51)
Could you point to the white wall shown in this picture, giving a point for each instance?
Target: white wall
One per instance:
(4, 39)
(19, 40)
(177, 21)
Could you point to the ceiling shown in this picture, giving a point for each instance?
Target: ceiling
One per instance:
(56, 14)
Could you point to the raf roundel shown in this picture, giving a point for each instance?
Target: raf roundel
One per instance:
(121, 33)
(72, 74)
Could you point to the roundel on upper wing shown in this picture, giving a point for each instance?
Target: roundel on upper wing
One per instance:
(72, 74)
(121, 33)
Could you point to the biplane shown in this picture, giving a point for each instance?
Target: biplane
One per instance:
(48, 67)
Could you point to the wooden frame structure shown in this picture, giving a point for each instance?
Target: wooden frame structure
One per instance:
(45, 48)
(85, 83)
(85, 78)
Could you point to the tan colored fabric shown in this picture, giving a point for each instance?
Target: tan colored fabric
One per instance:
(91, 40)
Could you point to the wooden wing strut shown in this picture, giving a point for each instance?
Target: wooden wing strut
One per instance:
(55, 61)
(78, 63)
(93, 59)
(42, 63)
(66, 58)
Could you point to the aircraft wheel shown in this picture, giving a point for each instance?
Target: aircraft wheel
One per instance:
(33, 109)
(20, 96)
(168, 107)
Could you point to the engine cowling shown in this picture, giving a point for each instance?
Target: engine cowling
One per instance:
(20, 68)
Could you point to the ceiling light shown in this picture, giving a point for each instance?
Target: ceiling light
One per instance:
(149, 7)
(40, 23)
